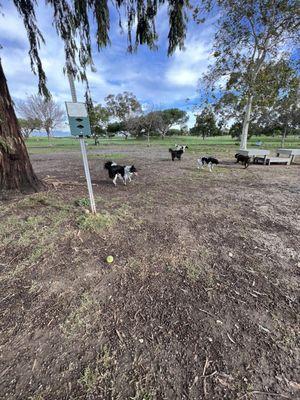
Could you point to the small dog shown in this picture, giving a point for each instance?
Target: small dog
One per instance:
(176, 154)
(123, 172)
(209, 161)
(181, 147)
(243, 159)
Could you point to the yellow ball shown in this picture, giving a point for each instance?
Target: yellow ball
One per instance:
(110, 259)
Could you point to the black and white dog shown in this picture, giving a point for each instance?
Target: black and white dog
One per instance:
(177, 153)
(123, 172)
(181, 147)
(209, 161)
(243, 159)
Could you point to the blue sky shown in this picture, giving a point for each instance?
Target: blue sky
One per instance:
(157, 80)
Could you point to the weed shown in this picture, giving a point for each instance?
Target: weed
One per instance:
(79, 318)
(89, 378)
(141, 393)
(34, 288)
(105, 357)
(193, 271)
(84, 202)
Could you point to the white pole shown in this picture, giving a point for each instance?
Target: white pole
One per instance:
(72, 88)
(83, 151)
(87, 175)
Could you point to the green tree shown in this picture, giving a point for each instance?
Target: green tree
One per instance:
(276, 80)
(205, 124)
(249, 34)
(115, 127)
(73, 20)
(123, 106)
(99, 117)
(169, 118)
(28, 126)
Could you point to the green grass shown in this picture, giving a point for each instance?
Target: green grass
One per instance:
(96, 223)
(108, 156)
(41, 145)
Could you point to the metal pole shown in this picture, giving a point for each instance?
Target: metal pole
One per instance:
(87, 175)
(83, 151)
(72, 88)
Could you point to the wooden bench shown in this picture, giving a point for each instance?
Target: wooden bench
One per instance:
(273, 160)
(289, 152)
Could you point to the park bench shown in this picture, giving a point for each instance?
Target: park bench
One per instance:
(292, 153)
(273, 160)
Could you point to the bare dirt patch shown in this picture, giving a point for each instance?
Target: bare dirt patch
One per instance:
(201, 301)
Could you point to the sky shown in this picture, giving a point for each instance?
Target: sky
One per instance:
(157, 80)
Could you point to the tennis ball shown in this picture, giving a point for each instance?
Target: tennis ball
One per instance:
(109, 259)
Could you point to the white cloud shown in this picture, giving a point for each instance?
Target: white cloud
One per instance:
(11, 27)
(188, 65)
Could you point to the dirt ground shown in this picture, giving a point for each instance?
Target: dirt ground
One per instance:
(201, 301)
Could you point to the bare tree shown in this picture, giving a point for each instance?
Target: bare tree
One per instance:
(47, 111)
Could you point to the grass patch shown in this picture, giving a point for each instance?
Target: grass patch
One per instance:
(84, 202)
(79, 318)
(101, 374)
(211, 145)
(89, 378)
(141, 394)
(95, 222)
(109, 156)
(32, 228)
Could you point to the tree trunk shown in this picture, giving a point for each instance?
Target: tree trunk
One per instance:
(246, 123)
(16, 172)
(48, 132)
(283, 135)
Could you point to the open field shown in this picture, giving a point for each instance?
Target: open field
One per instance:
(201, 302)
(39, 145)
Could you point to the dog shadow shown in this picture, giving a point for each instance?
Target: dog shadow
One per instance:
(102, 182)
(166, 159)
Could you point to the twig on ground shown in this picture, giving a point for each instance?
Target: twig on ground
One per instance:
(203, 375)
(208, 313)
(230, 338)
(263, 328)
(259, 392)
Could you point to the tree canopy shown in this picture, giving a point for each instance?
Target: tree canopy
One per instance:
(123, 106)
(73, 21)
(29, 125)
(249, 34)
(99, 118)
(169, 118)
(205, 124)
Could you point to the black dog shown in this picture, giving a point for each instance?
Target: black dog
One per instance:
(176, 154)
(119, 171)
(243, 159)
